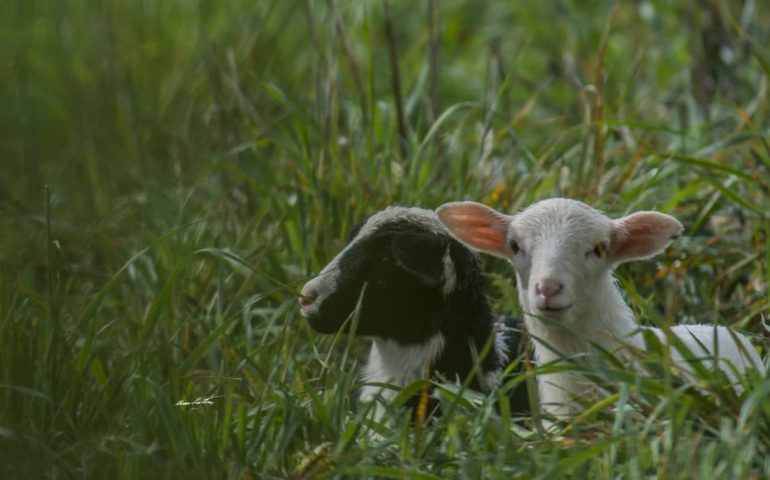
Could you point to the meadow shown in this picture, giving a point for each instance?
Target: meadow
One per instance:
(172, 172)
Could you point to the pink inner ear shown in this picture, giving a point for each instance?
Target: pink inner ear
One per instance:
(477, 226)
(482, 237)
(643, 234)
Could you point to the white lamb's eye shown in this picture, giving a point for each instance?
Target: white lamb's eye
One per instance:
(515, 247)
(600, 249)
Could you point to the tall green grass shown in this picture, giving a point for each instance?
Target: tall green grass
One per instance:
(173, 171)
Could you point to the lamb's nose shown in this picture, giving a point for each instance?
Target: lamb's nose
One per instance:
(548, 288)
(307, 297)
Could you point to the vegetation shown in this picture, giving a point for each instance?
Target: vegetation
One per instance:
(172, 172)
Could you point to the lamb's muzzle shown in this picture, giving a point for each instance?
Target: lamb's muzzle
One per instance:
(306, 299)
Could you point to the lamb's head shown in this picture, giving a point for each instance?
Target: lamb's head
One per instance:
(562, 250)
(401, 264)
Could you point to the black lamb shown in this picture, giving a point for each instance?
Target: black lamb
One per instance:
(423, 304)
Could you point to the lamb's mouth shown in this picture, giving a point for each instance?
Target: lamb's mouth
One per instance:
(549, 310)
(306, 310)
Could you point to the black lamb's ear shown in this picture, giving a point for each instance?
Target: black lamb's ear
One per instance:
(422, 255)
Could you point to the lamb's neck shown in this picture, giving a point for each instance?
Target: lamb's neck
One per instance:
(400, 364)
(608, 323)
(467, 320)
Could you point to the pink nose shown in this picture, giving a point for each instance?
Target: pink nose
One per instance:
(548, 288)
(306, 298)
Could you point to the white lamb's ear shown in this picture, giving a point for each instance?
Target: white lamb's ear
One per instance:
(477, 226)
(642, 235)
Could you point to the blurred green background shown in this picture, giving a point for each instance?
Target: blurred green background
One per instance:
(171, 172)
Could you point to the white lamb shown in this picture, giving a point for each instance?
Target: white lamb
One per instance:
(563, 252)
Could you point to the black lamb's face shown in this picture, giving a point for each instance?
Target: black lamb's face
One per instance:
(398, 269)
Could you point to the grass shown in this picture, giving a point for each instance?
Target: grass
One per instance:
(173, 171)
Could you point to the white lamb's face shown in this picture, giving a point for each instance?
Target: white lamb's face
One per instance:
(562, 250)
(559, 251)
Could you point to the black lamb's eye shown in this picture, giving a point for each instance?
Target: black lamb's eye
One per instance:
(515, 247)
(600, 249)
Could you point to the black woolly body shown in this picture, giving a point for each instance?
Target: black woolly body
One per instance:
(418, 282)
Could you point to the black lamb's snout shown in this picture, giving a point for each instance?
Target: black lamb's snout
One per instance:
(307, 298)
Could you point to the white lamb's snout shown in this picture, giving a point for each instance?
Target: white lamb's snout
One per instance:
(548, 288)
(550, 295)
